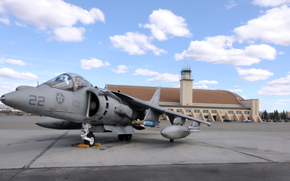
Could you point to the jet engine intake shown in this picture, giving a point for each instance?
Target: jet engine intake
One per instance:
(93, 104)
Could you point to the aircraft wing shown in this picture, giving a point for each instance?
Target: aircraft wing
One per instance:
(137, 103)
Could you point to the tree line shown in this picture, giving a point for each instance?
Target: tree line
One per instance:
(275, 116)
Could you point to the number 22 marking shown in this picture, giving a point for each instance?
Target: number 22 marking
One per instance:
(33, 100)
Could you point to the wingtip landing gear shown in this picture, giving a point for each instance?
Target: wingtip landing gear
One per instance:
(171, 140)
(88, 137)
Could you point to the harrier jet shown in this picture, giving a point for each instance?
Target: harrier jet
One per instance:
(70, 102)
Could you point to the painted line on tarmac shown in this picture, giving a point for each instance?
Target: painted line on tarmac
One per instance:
(43, 151)
(243, 150)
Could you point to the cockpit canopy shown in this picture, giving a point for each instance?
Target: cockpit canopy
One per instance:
(68, 82)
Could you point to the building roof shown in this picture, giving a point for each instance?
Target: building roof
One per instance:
(173, 94)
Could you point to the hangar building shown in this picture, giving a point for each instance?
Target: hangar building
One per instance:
(207, 105)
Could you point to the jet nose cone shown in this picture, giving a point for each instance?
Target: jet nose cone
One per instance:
(2, 99)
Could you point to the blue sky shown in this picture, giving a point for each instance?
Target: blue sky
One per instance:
(241, 46)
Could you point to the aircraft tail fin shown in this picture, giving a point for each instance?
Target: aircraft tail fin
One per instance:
(152, 115)
(156, 96)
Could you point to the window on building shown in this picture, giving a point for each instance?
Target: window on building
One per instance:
(205, 111)
(171, 109)
(223, 117)
(247, 112)
(239, 112)
(178, 110)
(231, 112)
(196, 111)
(213, 111)
(187, 110)
(206, 117)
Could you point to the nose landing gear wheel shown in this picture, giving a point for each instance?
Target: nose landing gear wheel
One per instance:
(91, 136)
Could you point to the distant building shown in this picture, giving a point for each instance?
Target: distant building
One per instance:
(208, 105)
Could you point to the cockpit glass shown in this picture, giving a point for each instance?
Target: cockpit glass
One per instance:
(79, 82)
(69, 82)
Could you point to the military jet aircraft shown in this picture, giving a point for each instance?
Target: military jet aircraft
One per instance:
(70, 102)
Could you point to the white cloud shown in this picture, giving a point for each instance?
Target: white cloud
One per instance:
(93, 63)
(135, 43)
(200, 86)
(163, 22)
(9, 85)
(202, 82)
(282, 101)
(11, 74)
(267, 3)
(219, 50)
(5, 21)
(50, 14)
(121, 69)
(231, 4)
(273, 27)
(20, 24)
(277, 87)
(166, 77)
(145, 72)
(14, 62)
(236, 90)
(253, 74)
(69, 34)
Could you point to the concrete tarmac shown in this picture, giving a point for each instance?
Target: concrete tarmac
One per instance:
(224, 151)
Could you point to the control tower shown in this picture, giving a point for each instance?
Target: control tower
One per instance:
(186, 87)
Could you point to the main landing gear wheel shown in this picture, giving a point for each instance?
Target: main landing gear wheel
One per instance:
(91, 136)
(126, 137)
(121, 137)
(171, 140)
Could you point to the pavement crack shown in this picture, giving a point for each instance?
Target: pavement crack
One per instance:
(255, 156)
(237, 150)
(16, 174)
(43, 151)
